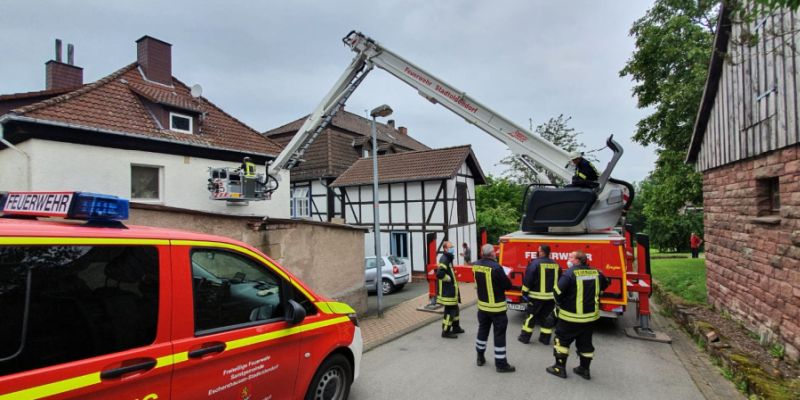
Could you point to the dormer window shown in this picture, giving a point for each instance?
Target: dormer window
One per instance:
(180, 122)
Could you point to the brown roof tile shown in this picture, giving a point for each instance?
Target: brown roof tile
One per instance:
(412, 166)
(113, 103)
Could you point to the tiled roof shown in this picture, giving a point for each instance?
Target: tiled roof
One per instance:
(359, 125)
(50, 92)
(113, 103)
(413, 166)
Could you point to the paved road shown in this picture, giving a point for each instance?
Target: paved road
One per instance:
(422, 365)
(409, 291)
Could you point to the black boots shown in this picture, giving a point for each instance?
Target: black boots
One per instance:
(583, 369)
(559, 368)
(481, 360)
(544, 339)
(504, 367)
(457, 329)
(449, 335)
(524, 337)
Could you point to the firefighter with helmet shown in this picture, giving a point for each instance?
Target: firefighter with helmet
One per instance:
(538, 284)
(447, 293)
(585, 173)
(577, 307)
(248, 168)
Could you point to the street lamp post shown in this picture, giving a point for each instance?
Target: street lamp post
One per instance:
(380, 111)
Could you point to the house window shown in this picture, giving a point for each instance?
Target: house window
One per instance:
(145, 182)
(180, 122)
(461, 202)
(300, 202)
(768, 196)
(400, 244)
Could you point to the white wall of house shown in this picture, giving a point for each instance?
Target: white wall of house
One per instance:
(405, 209)
(73, 167)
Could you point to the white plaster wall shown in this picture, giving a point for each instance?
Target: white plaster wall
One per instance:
(321, 203)
(73, 167)
(14, 168)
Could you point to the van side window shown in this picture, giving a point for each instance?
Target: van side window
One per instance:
(231, 290)
(81, 302)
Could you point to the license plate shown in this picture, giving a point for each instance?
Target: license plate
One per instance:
(516, 306)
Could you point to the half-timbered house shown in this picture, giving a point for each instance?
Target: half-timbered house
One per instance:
(422, 194)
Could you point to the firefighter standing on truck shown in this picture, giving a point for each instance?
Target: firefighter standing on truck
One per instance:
(448, 294)
(248, 168)
(491, 283)
(578, 306)
(540, 279)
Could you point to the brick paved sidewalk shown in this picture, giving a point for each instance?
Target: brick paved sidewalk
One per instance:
(404, 318)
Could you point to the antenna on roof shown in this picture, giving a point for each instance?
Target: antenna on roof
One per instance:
(197, 90)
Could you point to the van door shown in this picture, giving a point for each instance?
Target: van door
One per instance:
(84, 321)
(232, 340)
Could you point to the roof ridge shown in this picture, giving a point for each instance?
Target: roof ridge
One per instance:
(77, 93)
(274, 131)
(413, 152)
(211, 104)
(35, 93)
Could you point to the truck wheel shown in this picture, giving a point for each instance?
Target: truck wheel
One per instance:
(332, 380)
(388, 286)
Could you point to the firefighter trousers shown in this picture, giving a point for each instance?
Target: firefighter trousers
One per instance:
(580, 333)
(539, 312)
(450, 320)
(498, 320)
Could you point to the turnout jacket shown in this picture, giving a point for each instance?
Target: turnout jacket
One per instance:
(491, 283)
(585, 171)
(578, 294)
(447, 294)
(540, 279)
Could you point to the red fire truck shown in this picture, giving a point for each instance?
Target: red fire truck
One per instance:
(565, 217)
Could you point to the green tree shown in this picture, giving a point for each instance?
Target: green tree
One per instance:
(556, 131)
(498, 206)
(669, 66)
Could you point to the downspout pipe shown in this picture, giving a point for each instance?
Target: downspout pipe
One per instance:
(28, 163)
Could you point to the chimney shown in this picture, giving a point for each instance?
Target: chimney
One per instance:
(155, 59)
(59, 75)
(403, 130)
(390, 123)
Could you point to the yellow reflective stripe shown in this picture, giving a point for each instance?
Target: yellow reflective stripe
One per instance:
(492, 307)
(249, 341)
(54, 388)
(273, 267)
(546, 331)
(573, 317)
(556, 289)
(562, 349)
(580, 175)
(586, 355)
(525, 289)
(335, 307)
(83, 381)
(526, 325)
(579, 298)
(73, 241)
(541, 296)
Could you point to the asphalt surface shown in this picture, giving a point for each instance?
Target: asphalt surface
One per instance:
(409, 291)
(421, 364)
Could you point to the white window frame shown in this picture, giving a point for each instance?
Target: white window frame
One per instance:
(189, 117)
(160, 198)
(301, 202)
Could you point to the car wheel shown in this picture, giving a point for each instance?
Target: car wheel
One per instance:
(388, 286)
(332, 380)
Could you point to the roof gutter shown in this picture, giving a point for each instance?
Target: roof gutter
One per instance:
(11, 117)
(28, 163)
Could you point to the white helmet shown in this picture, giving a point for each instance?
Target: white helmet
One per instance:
(575, 154)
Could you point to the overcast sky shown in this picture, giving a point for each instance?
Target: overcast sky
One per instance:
(271, 62)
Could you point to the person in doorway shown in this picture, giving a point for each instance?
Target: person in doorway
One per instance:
(538, 285)
(466, 253)
(577, 307)
(695, 242)
(491, 283)
(447, 293)
(585, 173)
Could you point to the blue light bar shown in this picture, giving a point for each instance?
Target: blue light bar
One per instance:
(94, 206)
(72, 205)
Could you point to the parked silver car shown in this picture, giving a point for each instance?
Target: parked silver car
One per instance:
(396, 273)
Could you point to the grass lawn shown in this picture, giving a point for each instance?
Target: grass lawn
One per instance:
(683, 277)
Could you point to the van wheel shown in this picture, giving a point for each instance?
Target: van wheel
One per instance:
(388, 286)
(332, 380)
